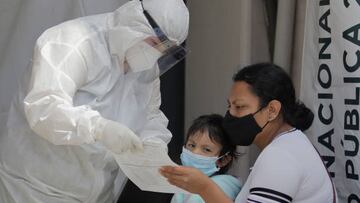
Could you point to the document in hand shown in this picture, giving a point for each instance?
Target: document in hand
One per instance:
(142, 168)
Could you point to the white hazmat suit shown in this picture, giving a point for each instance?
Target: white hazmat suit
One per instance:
(78, 102)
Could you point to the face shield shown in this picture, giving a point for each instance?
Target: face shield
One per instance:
(154, 52)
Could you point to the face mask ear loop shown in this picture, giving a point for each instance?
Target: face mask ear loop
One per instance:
(222, 156)
(219, 159)
(257, 112)
(265, 125)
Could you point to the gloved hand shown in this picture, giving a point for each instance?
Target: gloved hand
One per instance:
(117, 137)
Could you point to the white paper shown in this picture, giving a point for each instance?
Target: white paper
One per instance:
(143, 168)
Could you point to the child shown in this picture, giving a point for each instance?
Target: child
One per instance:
(208, 149)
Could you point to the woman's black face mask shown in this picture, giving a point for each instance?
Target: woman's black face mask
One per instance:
(242, 130)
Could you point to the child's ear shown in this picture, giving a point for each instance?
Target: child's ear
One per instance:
(225, 160)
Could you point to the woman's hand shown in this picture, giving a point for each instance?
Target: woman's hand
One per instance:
(187, 178)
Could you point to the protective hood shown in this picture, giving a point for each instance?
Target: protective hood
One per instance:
(128, 25)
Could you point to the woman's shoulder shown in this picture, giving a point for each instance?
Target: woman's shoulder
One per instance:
(279, 157)
(288, 146)
(293, 146)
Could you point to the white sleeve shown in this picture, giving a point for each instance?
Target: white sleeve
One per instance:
(156, 125)
(58, 71)
(276, 177)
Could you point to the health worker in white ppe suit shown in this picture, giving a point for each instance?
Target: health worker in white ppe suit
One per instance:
(93, 90)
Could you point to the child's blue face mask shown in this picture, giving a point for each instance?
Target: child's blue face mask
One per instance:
(204, 163)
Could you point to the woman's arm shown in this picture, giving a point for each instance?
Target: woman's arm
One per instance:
(196, 182)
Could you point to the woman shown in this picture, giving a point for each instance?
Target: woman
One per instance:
(263, 110)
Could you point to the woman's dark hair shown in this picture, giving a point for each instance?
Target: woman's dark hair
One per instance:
(270, 82)
(213, 125)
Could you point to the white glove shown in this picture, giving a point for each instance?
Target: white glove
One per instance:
(117, 137)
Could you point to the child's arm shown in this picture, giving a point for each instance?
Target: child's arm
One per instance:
(194, 181)
(213, 194)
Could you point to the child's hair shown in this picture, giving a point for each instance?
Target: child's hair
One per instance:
(213, 125)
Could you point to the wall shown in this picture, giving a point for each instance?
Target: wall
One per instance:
(223, 34)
